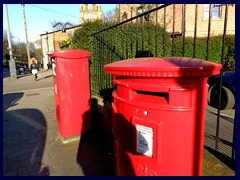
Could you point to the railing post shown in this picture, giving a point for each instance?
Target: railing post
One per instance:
(156, 34)
(209, 30)
(127, 40)
(183, 28)
(195, 31)
(220, 83)
(149, 32)
(142, 31)
(173, 30)
(131, 37)
(164, 33)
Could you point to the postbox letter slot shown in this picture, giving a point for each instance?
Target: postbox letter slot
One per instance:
(152, 97)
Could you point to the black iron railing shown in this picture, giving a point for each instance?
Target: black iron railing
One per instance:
(137, 37)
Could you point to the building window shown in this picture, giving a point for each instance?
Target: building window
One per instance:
(216, 11)
(90, 16)
(124, 16)
(141, 10)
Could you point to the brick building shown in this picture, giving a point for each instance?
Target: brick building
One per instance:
(217, 23)
(50, 42)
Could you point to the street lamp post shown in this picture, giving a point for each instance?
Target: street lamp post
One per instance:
(46, 51)
(26, 34)
(12, 64)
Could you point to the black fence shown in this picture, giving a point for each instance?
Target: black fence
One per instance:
(147, 35)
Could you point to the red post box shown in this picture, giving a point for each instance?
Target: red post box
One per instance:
(72, 91)
(159, 112)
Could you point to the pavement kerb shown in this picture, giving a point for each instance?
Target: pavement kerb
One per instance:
(221, 114)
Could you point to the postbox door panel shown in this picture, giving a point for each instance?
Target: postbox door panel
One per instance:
(156, 141)
(163, 145)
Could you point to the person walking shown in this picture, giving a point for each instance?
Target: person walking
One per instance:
(34, 69)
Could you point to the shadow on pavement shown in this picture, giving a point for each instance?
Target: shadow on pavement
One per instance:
(24, 135)
(10, 100)
(6, 73)
(98, 148)
(95, 152)
(41, 78)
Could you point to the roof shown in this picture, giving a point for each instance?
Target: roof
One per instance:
(60, 30)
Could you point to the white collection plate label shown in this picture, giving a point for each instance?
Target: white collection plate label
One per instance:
(144, 140)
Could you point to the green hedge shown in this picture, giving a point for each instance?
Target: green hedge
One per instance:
(136, 40)
(117, 38)
(215, 48)
(127, 41)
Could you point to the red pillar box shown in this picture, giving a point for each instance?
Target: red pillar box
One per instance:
(159, 112)
(72, 91)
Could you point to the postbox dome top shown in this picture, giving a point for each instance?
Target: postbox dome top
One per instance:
(163, 67)
(71, 54)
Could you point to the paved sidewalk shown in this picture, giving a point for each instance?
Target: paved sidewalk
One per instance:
(32, 145)
(27, 82)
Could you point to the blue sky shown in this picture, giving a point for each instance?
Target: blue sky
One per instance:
(40, 16)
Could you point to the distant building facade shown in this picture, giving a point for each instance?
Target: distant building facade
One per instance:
(50, 42)
(217, 24)
(91, 12)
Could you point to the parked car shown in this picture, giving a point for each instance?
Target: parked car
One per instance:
(227, 91)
